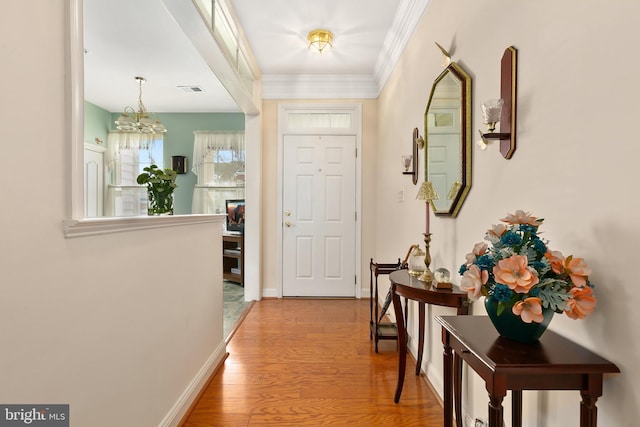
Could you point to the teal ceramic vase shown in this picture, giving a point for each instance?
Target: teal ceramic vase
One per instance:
(512, 327)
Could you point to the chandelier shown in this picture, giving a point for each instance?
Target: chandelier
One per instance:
(139, 121)
(320, 40)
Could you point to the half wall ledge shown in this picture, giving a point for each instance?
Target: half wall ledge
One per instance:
(95, 226)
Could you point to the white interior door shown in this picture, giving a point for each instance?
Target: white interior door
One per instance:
(93, 181)
(444, 147)
(319, 208)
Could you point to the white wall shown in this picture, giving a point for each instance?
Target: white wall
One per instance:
(121, 347)
(575, 165)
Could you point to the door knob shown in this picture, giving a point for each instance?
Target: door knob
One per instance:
(289, 224)
(287, 213)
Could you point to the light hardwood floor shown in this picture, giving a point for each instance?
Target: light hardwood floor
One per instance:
(310, 362)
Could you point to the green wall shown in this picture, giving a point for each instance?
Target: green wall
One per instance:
(178, 141)
(97, 123)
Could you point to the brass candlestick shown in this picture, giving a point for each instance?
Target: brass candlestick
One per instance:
(427, 276)
(427, 193)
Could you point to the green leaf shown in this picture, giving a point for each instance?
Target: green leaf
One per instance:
(554, 294)
(501, 306)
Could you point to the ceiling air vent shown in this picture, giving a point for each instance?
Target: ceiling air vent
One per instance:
(190, 88)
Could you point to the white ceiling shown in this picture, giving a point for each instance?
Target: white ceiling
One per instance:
(277, 36)
(125, 38)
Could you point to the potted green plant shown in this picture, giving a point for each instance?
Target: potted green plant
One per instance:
(160, 185)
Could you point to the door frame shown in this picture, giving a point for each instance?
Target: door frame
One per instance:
(355, 110)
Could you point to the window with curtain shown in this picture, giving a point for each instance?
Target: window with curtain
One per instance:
(218, 162)
(127, 154)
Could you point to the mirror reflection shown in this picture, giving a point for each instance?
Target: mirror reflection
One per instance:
(448, 144)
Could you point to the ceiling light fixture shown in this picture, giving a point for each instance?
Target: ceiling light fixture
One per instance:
(139, 121)
(320, 40)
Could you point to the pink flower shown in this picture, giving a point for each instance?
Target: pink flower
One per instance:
(472, 281)
(582, 303)
(521, 217)
(578, 270)
(529, 310)
(556, 259)
(478, 250)
(514, 273)
(497, 230)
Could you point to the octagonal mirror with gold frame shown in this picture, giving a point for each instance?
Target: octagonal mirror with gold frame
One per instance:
(447, 122)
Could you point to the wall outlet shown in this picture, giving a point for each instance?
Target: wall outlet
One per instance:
(480, 423)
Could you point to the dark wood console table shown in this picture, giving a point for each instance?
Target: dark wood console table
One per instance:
(402, 284)
(553, 363)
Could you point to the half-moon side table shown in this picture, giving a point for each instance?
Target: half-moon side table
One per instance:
(402, 284)
(552, 363)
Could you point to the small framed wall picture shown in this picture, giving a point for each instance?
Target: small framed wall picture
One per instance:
(179, 164)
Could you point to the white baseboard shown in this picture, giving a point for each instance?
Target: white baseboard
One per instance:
(273, 293)
(180, 408)
(434, 376)
(269, 293)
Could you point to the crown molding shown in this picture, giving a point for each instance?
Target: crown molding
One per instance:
(404, 24)
(319, 87)
(352, 86)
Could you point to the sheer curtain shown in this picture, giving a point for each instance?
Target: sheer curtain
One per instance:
(127, 153)
(218, 162)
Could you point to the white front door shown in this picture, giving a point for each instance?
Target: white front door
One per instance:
(319, 208)
(444, 145)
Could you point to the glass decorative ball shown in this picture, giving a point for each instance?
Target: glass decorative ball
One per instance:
(441, 275)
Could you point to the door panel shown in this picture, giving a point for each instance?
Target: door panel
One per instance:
(319, 231)
(444, 154)
(304, 249)
(93, 182)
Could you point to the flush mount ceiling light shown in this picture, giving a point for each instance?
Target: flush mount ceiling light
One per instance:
(320, 40)
(139, 121)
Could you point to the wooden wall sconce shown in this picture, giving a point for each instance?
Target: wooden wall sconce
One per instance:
(504, 109)
(411, 161)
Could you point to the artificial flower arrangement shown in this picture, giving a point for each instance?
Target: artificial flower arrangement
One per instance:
(520, 271)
